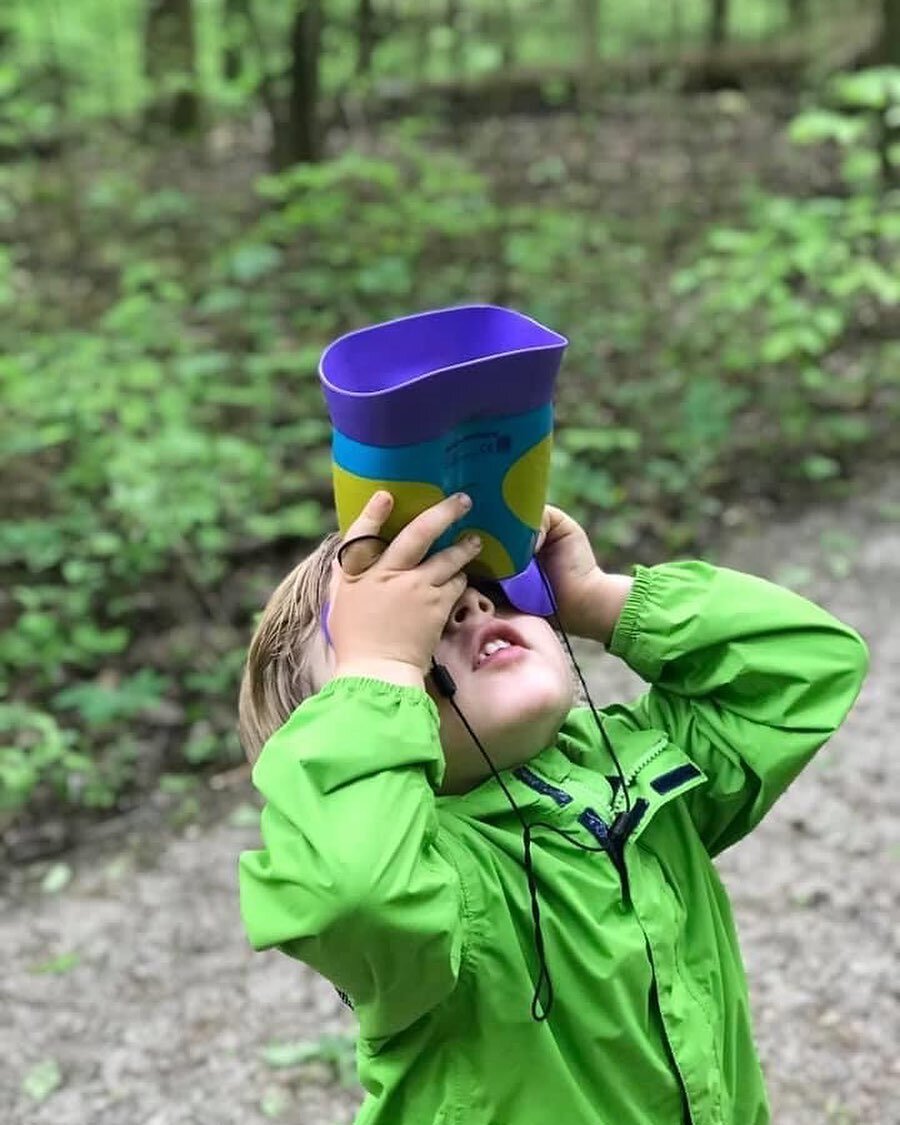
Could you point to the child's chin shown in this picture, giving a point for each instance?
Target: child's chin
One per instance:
(529, 709)
(526, 691)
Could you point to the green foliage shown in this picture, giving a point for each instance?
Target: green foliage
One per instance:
(338, 1052)
(388, 229)
(100, 704)
(876, 89)
(773, 302)
(864, 121)
(817, 125)
(33, 748)
(43, 1079)
(164, 445)
(56, 966)
(84, 61)
(178, 427)
(56, 878)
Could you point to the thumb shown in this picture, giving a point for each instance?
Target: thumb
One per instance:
(546, 520)
(553, 522)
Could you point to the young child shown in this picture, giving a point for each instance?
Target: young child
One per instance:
(393, 861)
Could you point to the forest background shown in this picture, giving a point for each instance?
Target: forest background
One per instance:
(197, 195)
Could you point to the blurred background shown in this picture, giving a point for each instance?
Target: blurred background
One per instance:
(196, 196)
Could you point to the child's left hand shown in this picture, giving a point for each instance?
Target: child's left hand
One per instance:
(588, 599)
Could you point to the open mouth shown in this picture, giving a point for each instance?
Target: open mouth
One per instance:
(499, 643)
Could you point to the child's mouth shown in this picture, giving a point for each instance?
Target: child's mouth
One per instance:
(505, 653)
(497, 642)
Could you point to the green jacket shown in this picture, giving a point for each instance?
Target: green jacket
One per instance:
(417, 906)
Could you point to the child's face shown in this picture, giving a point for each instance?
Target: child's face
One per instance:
(515, 698)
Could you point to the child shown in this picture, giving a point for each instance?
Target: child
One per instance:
(393, 862)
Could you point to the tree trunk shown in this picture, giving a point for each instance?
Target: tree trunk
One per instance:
(798, 14)
(457, 48)
(890, 32)
(170, 64)
(507, 36)
(718, 23)
(420, 26)
(6, 30)
(301, 141)
(588, 14)
(889, 51)
(365, 36)
(235, 34)
(676, 22)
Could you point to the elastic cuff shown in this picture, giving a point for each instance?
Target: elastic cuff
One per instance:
(626, 635)
(355, 684)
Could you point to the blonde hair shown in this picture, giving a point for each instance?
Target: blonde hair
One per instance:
(278, 674)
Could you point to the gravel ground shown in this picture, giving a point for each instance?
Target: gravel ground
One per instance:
(158, 1012)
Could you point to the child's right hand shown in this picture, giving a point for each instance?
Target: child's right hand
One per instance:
(387, 620)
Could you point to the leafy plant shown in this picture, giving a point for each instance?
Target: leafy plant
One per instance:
(338, 1052)
(863, 119)
(772, 304)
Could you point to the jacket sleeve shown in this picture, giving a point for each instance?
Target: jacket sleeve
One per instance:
(350, 878)
(749, 679)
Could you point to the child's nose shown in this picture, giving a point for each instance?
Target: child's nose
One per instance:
(471, 601)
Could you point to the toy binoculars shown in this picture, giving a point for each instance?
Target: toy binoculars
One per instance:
(451, 400)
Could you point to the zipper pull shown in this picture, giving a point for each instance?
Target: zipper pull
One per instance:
(626, 822)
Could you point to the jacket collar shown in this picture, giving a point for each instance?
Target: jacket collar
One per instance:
(487, 800)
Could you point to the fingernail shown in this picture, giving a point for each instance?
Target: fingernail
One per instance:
(464, 500)
(473, 540)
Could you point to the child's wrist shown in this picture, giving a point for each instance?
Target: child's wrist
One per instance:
(603, 604)
(376, 668)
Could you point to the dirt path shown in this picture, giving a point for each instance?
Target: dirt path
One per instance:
(161, 1013)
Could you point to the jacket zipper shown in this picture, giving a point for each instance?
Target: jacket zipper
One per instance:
(642, 763)
(613, 839)
(616, 854)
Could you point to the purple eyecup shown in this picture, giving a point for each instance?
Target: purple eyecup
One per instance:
(529, 591)
(412, 379)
